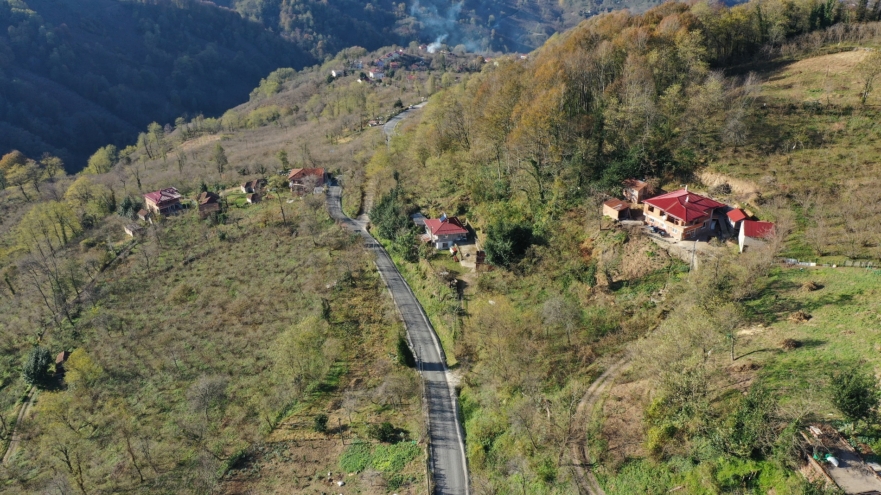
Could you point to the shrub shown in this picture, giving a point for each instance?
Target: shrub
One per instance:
(854, 393)
(506, 242)
(356, 458)
(321, 423)
(383, 432)
(405, 357)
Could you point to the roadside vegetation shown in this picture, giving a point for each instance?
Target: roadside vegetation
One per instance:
(526, 152)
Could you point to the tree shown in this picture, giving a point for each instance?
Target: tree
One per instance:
(35, 370)
(854, 393)
(207, 393)
(869, 69)
(282, 156)
(102, 161)
(22, 175)
(219, 158)
(12, 159)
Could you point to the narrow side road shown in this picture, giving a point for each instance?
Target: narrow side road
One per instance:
(22, 413)
(448, 464)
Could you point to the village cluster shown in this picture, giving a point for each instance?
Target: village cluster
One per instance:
(683, 215)
(167, 201)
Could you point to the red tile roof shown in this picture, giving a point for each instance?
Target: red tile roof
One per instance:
(299, 173)
(736, 215)
(684, 205)
(450, 226)
(162, 195)
(617, 204)
(756, 230)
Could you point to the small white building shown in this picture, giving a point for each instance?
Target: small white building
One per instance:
(754, 233)
(735, 217)
(376, 75)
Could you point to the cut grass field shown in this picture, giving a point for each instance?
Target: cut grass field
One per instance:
(844, 330)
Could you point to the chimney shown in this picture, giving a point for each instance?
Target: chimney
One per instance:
(686, 198)
(686, 188)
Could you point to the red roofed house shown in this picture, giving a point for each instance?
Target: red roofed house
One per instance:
(754, 233)
(682, 214)
(637, 191)
(444, 232)
(616, 209)
(163, 201)
(736, 216)
(302, 180)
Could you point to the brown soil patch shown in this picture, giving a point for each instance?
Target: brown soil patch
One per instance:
(799, 317)
(744, 367)
(641, 257)
(790, 344)
(623, 425)
(810, 286)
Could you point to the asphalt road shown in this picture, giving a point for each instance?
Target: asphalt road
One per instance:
(448, 463)
(389, 127)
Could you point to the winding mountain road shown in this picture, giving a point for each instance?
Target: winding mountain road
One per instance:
(447, 448)
(389, 127)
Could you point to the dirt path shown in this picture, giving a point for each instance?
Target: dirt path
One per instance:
(593, 396)
(32, 392)
(22, 412)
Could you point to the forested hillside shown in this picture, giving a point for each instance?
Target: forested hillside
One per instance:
(228, 354)
(715, 364)
(77, 75)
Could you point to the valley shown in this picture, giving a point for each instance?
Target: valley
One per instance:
(196, 311)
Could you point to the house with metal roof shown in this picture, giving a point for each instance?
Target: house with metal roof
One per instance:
(681, 214)
(754, 233)
(445, 231)
(164, 201)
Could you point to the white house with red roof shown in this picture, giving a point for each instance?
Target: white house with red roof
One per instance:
(445, 231)
(682, 214)
(163, 201)
(754, 233)
(736, 216)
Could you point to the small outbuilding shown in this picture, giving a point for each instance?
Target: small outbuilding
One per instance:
(133, 229)
(636, 191)
(253, 198)
(754, 233)
(735, 217)
(144, 215)
(616, 209)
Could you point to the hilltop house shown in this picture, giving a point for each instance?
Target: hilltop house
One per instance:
(754, 233)
(164, 201)
(445, 231)
(302, 180)
(616, 209)
(376, 75)
(209, 204)
(682, 214)
(636, 191)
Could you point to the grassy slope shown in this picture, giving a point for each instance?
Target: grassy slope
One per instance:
(212, 306)
(814, 139)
